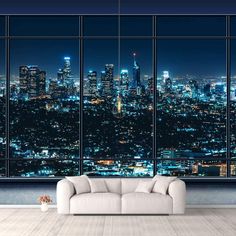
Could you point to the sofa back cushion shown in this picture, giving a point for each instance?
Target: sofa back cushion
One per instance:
(113, 185)
(145, 186)
(162, 184)
(130, 185)
(80, 183)
(98, 186)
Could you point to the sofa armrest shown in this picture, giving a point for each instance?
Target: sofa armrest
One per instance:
(177, 190)
(65, 190)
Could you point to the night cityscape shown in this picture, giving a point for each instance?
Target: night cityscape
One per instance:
(118, 109)
(118, 129)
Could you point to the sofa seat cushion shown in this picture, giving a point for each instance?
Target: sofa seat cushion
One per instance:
(95, 203)
(146, 203)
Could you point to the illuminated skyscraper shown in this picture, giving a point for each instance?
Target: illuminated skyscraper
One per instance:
(67, 67)
(150, 85)
(23, 79)
(65, 78)
(107, 79)
(136, 74)
(32, 81)
(60, 76)
(219, 89)
(168, 85)
(42, 83)
(194, 88)
(92, 78)
(165, 75)
(124, 82)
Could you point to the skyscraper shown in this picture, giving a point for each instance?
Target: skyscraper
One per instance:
(42, 83)
(194, 88)
(219, 89)
(32, 81)
(150, 85)
(67, 67)
(92, 78)
(136, 74)
(124, 81)
(23, 79)
(107, 79)
(65, 78)
(165, 75)
(168, 85)
(207, 90)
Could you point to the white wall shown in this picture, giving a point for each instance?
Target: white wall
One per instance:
(197, 193)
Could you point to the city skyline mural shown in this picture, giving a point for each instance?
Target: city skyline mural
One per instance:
(151, 101)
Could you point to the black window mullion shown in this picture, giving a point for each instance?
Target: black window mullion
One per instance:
(81, 56)
(7, 100)
(154, 61)
(228, 78)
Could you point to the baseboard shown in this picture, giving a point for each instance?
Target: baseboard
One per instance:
(55, 206)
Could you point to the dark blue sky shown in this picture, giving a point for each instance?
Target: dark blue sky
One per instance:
(179, 56)
(99, 52)
(193, 57)
(47, 54)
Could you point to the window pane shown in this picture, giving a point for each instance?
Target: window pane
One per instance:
(117, 109)
(136, 90)
(233, 168)
(44, 99)
(2, 168)
(191, 99)
(100, 68)
(44, 25)
(2, 25)
(118, 168)
(191, 26)
(136, 25)
(233, 25)
(233, 100)
(100, 25)
(2, 99)
(44, 168)
(192, 168)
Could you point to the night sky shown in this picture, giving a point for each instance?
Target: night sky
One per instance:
(47, 54)
(200, 57)
(193, 57)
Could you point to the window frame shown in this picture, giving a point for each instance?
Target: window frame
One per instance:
(227, 37)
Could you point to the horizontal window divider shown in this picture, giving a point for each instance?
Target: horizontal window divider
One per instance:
(30, 180)
(117, 37)
(54, 180)
(158, 159)
(116, 14)
(42, 37)
(42, 159)
(120, 37)
(128, 159)
(192, 37)
(195, 159)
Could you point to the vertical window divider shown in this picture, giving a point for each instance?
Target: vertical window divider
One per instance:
(81, 56)
(7, 101)
(228, 78)
(154, 66)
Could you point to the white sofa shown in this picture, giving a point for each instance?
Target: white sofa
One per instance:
(121, 199)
